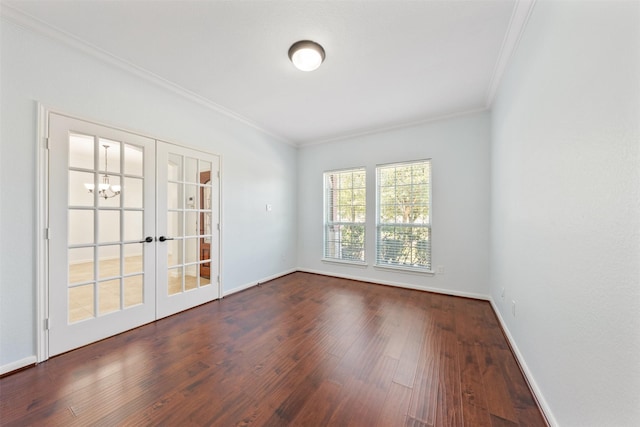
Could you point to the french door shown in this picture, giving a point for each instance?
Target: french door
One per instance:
(188, 228)
(129, 220)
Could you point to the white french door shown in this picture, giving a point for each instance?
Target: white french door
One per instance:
(188, 228)
(101, 269)
(133, 231)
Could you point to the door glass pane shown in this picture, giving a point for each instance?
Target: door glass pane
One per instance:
(133, 258)
(108, 261)
(191, 170)
(205, 166)
(175, 280)
(132, 195)
(109, 230)
(205, 226)
(133, 290)
(79, 194)
(133, 225)
(191, 191)
(81, 303)
(174, 252)
(81, 151)
(174, 172)
(191, 223)
(109, 160)
(191, 250)
(205, 203)
(80, 265)
(205, 251)
(133, 160)
(109, 191)
(174, 224)
(80, 226)
(191, 277)
(174, 197)
(109, 296)
(204, 280)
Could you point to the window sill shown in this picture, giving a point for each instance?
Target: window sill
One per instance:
(410, 270)
(341, 261)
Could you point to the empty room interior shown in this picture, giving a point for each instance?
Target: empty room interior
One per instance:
(309, 213)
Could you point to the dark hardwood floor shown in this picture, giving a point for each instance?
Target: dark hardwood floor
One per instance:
(302, 350)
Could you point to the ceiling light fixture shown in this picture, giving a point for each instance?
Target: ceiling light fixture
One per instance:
(306, 55)
(105, 189)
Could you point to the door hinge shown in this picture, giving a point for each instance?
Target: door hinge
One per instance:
(218, 173)
(47, 233)
(218, 226)
(218, 279)
(46, 324)
(46, 142)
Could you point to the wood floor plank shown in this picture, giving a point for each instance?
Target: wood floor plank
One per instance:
(395, 407)
(495, 385)
(473, 403)
(320, 406)
(525, 405)
(449, 392)
(409, 358)
(424, 398)
(301, 350)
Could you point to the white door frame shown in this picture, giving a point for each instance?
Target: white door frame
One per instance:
(42, 220)
(42, 239)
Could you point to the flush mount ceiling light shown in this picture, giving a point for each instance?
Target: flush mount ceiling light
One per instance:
(306, 55)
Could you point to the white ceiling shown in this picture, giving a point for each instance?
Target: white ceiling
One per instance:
(388, 63)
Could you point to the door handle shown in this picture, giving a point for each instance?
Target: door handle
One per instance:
(162, 238)
(148, 239)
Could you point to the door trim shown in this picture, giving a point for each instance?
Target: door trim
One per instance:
(42, 241)
(41, 314)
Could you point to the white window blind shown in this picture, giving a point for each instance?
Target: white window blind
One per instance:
(345, 215)
(403, 204)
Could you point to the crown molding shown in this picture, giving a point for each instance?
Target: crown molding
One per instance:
(33, 24)
(519, 18)
(404, 125)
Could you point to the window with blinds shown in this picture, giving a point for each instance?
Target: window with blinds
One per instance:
(345, 215)
(403, 204)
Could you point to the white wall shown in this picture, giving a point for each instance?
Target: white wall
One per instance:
(256, 169)
(459, 148)
(565, 211)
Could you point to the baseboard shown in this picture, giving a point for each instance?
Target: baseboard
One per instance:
(528, 376)
(257, 282)
(398, 284)
(18, 364)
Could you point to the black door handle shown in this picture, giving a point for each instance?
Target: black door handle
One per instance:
(162, 238)
(148, 239)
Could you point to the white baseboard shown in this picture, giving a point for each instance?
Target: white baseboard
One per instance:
(533, 386)
(18, 364)
(398, 284)
(257, 282)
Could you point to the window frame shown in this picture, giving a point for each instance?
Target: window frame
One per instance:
(327, 222)
(407, 267)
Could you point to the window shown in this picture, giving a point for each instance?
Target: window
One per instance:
(345, 215)
(403, 203)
